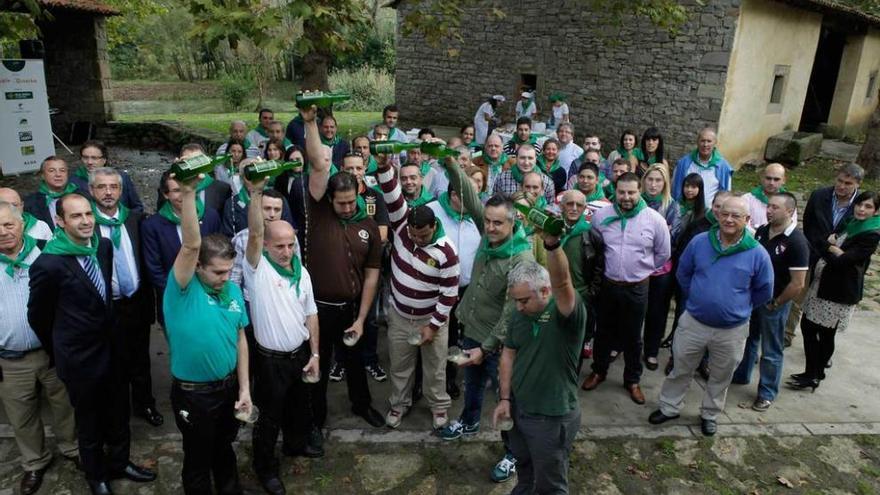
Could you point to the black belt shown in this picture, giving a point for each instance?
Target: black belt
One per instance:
(621, 283)
(278, 354)
(205, 386)
(16, 355)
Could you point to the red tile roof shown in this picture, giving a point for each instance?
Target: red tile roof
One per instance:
(90, 6)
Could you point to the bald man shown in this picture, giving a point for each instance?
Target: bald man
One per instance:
(493, 161)
(238, 132)
(33, 227)
(716, 317)
(772, 182)
(285, 320)
(707, 161)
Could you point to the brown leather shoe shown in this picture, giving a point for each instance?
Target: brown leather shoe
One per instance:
(635, 393)
(593, 381)
(31, 481)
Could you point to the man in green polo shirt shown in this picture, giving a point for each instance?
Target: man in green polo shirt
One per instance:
(204, 324)
(538, 370)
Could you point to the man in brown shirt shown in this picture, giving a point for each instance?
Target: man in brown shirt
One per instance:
(343, 252)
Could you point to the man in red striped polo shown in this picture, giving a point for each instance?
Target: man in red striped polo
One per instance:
(424, 287)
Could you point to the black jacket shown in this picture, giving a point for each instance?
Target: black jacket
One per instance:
(818, 222)
(69, 317)
(843, 278)
(593, 262)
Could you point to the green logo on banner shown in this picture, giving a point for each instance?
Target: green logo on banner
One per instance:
(14, 65)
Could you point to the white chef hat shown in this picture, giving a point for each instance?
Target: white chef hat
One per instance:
(500, 98)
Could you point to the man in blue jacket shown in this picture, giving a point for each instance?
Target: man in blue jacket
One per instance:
(707, 161)
(716, 316)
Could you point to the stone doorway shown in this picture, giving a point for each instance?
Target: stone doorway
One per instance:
(823, 79)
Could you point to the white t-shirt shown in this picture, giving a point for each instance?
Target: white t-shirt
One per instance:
(481, 126)
(40, 231)
(277, 313)
(558, 113)
(529, 111)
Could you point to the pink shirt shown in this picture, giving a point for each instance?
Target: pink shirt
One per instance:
(633, 254)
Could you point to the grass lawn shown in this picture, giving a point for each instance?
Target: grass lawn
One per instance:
(350, 123)
(816, 173)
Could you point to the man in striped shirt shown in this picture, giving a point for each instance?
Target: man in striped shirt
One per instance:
(424, 287)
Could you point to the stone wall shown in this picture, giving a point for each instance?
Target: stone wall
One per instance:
(77, 69)
(633, 76)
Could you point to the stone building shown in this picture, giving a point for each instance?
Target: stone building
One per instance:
(752, 68)
(74, 49)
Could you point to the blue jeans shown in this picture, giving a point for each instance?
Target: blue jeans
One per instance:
(475, 378)
(767, 328)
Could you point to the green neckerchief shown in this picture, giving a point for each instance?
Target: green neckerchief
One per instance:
(438, 231)
(473, 145)
(713, 159)
(61, 245)
(758, 193)
(221, 294)
(425, 167)
(608, 191)
(246, 144)
(652, 159)
(596, 195)
(243, 196)
(204, 183)
(168, 212)
(652, 199)
(511, 247)
(623, 216)
(82, 172)
(495, 167)
(51, 195)
(547, 170)
(447, 207)
(533, 139)
(28, 245)
(115, 224)
(685, 206)
(855, 227)
(293, 275)
(540, 203)
(261, 131)
(333, 170)
(518, 174)
(359, 214)
(423, 199)
(635, 152)
(231, 168)
(542, 317)
(372, 166)
(746, 242)
(581, 226)
(29, 221)
(710, 216)
(328, 142)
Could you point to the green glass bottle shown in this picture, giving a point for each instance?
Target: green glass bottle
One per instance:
(266, 169)
(391, 147)
(438, 150)
(189, 168)
(321, 99)
(541, 219)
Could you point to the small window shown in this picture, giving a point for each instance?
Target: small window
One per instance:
(872, 86)
(777, 90)
(527, 82)
(778, 85)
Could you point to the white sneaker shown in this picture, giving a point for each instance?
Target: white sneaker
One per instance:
(393, 418)
(440, 419)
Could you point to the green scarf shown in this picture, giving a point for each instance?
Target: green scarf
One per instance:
(710, 215)
(438, 231)
(511, 247)
(222, 294)
(623, 216)
(82, 172)
(609, 191)
(542, 317)
(596, 195)
(495, 167)
(261, 131)
(518, 174)
(533, 139)
(447, 207)
(652, 159)
(28, 246)
(204, 183)
(635, 152)
(652, 199)
(425, 167)
(359, 214)
(541, 202)
(29, 221)
(61, 245)
(292, 275)
(548, 169)
(328, 142)
(372, 166)
(575, 231)
(473, 145)
(423, 199)
(52, 195)
(744, 244)
(856, 227)
(758, 193)
(713, 160)
(168, 212)
(685, 206)
(115, 224)
(243, 196)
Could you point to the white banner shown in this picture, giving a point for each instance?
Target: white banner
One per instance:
(25, 128)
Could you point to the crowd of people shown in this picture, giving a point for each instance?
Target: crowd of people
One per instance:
(267, 290)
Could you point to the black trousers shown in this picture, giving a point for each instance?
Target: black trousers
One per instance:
(282, 397)
(100, 407)
(131, 323)
(334, 320)
(660, 290)
(621, 314)
(818, 347)
(206, 419)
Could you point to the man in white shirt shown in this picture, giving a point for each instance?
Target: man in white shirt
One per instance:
(259, 135)
(526, 107)
(33, 226)
(772, 182)
(568, 150)
(285, 320)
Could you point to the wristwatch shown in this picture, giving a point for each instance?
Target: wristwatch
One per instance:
(316, 356)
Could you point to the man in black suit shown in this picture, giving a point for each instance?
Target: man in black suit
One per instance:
(132, 294)
(54, 182)
(93, 155)
(71, 310)
(827, 209)
(212, 193)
